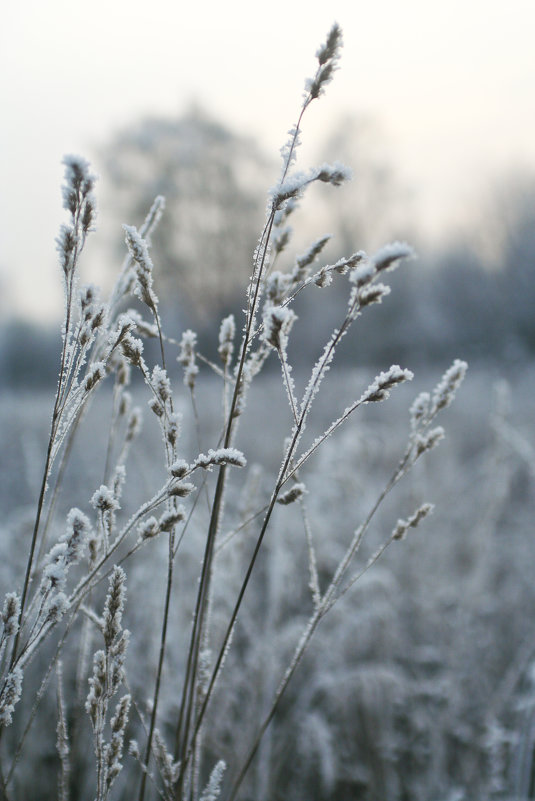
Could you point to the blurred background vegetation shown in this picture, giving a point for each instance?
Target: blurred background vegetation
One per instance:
(470, 295)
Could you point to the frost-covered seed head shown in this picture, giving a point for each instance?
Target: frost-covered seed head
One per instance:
(379, 390)
(132, 348)
(134, 424)
(87, 296)
(79, 182)
(426, 442)
(170, 518)
(324, 278)
(125, 324)
(330, 49)
(161, 383)
(372, 294)
(56, 607)
(95, 373)
(363, 274)
(97, 684)
(227, 333)
(119, 478)
(188, 343)
(172, 429)
(302, 262)
(293, 186)
(66, 242)
(276, 287)
(11, 614)
(221, 456)
(85, 335)
(449, 384)
(93, 550)
(123, 380)
(139, 252)
(143, 327)
(169, 770)
(98, 318)
(181, 489)
(149, 529)
(281, 240)
(115, 748)
(328, 56)
(55, 569)
(76, 535)
(125, 401)
(388, 257)
(419, 410)
(120, 719)
(190, 375)
(179, 469)
(278, 321)
(342, 266)
(133, 749)
(293, 494)
(114, 605)
(88, 214)
(156, 407)
(118, 648)
(104, 499)
(10, 695)
(77, 179)
(414, 520)
(335, 174)
(153, 218)
(213, 789)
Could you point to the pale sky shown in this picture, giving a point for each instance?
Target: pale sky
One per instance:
(452, 84)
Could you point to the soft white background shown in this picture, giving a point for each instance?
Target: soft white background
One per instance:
(452, 84)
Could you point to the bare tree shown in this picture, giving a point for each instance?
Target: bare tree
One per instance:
(210, 177)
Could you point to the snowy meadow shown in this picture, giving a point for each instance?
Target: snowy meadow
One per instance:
(243, 576)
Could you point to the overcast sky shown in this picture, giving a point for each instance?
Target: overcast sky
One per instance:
(451, 83)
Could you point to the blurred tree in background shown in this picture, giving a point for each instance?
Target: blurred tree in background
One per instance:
(472, 296)
(214, 184)
(509, 231)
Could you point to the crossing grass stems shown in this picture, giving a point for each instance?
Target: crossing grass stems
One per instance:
(59, 599)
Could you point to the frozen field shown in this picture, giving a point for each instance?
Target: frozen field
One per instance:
(420, 683)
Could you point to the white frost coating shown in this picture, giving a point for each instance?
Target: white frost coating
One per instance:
(313, 251)
(380, 388)
(293, 494)
(293, 185)
(419, 410)
(387, 257)
(153, 218)
(11, 614)
(104, 499)
(448, 385)
(75, 537)
(180, 468)
(287, 151)
(220, 456)
(213, 788)
(10, 695)
(278, 321)
(335, 174)
(414, 520)
(139, 251)
(363, 274)
(373, 294)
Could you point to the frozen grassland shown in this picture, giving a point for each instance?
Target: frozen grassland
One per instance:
(244, 592)
(421, 682)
